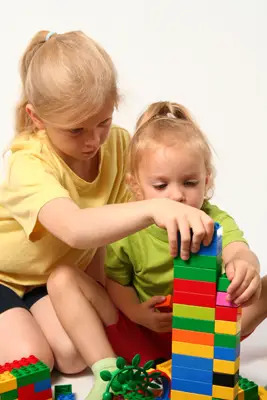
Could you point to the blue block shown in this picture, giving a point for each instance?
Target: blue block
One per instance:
(43, 385)
(190, 374)
(69, 396)
(226, 353)
(192, 387)
(181, 360)
(214, 249)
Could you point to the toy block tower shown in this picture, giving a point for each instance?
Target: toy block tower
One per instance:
(26, 379)
(204, 366)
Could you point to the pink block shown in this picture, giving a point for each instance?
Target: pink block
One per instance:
(221, 300)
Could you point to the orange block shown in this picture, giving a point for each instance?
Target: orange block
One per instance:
(181, 335)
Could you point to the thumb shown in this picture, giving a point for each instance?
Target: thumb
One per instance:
(155, 300)
(230, 271)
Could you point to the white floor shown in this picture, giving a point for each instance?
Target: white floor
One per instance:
(253, 365)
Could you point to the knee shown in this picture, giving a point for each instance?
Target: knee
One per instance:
(43, 354)
(60, 277)
(68, 360)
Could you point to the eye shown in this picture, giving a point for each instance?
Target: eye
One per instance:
(160, 186)
(191, 183)
(76, 131)
(106, 122)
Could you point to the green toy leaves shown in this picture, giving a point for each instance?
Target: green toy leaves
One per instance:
(120, 363)
(136, 360)
(106, 376)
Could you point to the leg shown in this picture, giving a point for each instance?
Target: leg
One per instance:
(254, 314)
(21, 336)
(67, 358)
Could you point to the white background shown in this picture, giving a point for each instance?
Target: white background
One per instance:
(209, 55)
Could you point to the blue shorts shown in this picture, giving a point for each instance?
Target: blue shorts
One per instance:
(10, 299)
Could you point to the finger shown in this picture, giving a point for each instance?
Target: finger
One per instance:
(244, 284)
(239, 276)
(249, 292)
(208, 224)
(199, 233)
(172, 231)
(153, 301)
(185, 238)
(230, 271)
(164, 318)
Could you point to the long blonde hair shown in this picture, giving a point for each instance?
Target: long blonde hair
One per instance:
(67, 79)
(168, 123)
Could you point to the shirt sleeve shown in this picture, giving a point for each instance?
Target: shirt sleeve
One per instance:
(118, 266)
(231, 231)
(29, 184)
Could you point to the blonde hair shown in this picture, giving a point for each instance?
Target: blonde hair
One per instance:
(168, 123)
(68, 77)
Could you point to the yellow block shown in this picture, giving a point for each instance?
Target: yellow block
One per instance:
(7, 382)
(227, 367)
(165, 367)
(177, 395)
(228, 327)
(240, 394)
(262, 393)
(223, 392)
(192, 349)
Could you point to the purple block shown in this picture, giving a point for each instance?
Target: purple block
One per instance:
(221, 300)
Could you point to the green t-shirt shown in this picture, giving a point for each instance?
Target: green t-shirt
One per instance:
(143, 260)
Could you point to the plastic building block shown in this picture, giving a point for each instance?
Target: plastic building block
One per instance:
(193, 324)
(166, 305)
(69, 396)
(184, 310)
(223, 283)
(221, 300)
(42, 385)
(178, 395)
(222, 340)
(190, 374)
(7, 382)
(191, 386)
(262, 393)
(192, 362)
(10, 395)
(229, 380)
(223, 392)
(190, 349)
(249, 387)
(165, 367)
(31, 373)
(226, 353)
(181, 335)
(227, 367)
(227, 313)
(187, 285)
(207, 262)
(195, 274)
(194, 299)
(62, 389)
(228, 327)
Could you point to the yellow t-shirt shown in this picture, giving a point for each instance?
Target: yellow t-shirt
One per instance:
(36, 175)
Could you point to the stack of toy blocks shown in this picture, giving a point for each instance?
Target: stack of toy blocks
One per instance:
(64, 392)
(206, 328)
(26, 379)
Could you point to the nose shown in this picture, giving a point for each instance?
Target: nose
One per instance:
(92, 140)
(177, 194)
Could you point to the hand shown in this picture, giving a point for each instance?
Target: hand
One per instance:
(174, 217)
(245, 285)
(145, 314)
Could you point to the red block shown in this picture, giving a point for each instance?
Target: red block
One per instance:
(44, 395)
(227, 313)
(194, 299)
(186, 285)
(26, 392)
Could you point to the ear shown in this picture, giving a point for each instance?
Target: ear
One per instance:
(134, 186)
(35, 119)
(207, 184)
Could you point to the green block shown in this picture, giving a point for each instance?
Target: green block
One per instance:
(31, 374)
(191, 324)
(250, 388)
(62, 389)
(203, 313)
(223, 283)
(198, 261)
(195, 274)
(11, 395)
(223, 340)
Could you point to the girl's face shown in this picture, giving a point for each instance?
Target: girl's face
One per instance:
(82, 142)
(174, 172)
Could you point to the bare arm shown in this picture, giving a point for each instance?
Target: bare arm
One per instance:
(96, 227)
(124, 297)
(240, 250)
(96, 267)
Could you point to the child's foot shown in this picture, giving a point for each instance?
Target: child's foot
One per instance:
(99, 387)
